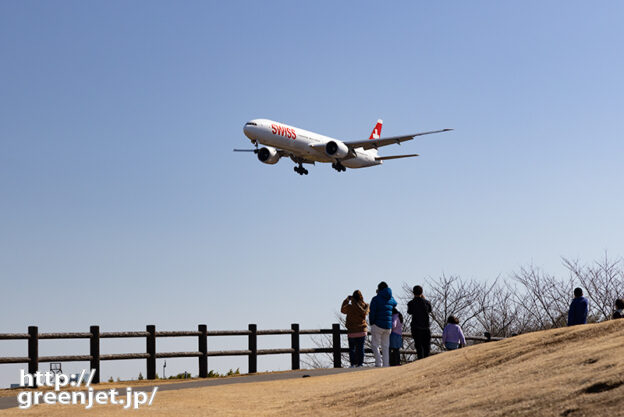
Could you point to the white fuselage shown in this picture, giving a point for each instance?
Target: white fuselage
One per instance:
(298, 142)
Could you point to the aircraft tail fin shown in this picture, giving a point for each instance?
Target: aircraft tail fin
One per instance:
(376, 130)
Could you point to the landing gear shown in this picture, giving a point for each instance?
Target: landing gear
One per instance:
(301, 170)
(339, 167)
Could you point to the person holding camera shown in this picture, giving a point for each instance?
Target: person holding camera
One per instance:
(356, 309)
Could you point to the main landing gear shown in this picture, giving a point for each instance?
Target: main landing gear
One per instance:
(339, 167)
(301, 170)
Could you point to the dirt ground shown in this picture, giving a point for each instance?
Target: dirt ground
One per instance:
(575, 371)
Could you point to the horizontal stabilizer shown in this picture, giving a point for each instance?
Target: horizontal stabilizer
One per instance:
(383, 158)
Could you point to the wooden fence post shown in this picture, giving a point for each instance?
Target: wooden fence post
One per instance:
(203, 349)
(94, 344)
(33, 351)
(294, 343)
(253, 349)
(151, 351)
(336, 345)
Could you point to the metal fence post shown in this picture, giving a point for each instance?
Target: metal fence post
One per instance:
(336, 345)
(151, 351)
(203, 350)
(94, 344)
(253, 349)
(294, 343)
(33, 351)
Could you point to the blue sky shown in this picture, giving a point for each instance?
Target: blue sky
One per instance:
(123, 205)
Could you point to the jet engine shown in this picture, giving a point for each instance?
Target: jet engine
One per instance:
(336, 150)
(268, 155)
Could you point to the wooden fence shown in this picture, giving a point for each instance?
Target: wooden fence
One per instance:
(202, 333)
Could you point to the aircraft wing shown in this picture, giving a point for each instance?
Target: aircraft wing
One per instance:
(320, 149)
(376, 143)
(283, 153)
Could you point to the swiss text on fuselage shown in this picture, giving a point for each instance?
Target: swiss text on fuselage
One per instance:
(283, 131)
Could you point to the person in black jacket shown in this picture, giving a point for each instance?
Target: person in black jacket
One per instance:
(578, 309)
(619, 309)
(420, 308)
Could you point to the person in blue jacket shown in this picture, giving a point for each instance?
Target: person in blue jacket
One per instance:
(380, 318)
(578, 309)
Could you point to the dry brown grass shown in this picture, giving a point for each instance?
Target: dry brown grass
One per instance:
(562, 372)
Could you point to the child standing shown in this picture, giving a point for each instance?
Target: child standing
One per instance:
(396, 337)
(452, 336)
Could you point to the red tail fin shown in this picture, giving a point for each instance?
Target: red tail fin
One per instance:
(376, 130)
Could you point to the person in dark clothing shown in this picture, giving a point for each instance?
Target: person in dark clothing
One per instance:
(420, 308)
(578, 309)
(619, 309)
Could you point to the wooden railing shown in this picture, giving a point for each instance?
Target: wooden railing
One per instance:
(202, 333)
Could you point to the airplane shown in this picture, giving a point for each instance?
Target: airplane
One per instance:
(305, 147)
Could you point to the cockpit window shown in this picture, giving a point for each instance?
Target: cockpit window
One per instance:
(250, 124)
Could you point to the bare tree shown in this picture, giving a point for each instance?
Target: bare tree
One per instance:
(603, 282)
(530, 300)
(450, 295)
(544, 299)
(500, 315)
(319, 360)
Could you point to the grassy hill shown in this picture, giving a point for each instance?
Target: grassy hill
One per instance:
(574, 371)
